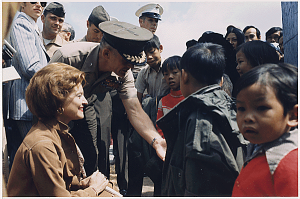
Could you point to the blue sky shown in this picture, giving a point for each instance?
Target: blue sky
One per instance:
(182, 21)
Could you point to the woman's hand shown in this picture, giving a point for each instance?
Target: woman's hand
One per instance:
(97, 181)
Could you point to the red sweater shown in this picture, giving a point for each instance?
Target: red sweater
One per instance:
(256, 180)
(166, 104)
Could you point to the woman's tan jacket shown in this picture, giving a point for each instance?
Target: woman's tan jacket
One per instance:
(46, 164)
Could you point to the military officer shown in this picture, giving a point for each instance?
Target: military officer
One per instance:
(149, 15)
(107, 66)
(53, 19)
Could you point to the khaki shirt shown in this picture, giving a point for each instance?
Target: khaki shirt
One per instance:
(84, 56)
(47, 164)
(153, 81)
(54, 44)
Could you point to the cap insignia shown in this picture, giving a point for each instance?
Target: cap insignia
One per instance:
(125, 29)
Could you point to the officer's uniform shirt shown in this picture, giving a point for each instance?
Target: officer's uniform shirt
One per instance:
(54, 44)
(84, 56)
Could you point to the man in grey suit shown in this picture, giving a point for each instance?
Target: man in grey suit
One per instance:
(31, 56)
(107, 66)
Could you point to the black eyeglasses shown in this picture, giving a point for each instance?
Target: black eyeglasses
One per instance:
(43, 4)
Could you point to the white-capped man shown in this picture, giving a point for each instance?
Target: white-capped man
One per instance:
(149, 15)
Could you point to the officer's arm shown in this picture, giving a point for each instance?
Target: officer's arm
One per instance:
(144, 126)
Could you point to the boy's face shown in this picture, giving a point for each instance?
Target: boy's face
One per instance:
(172, 78)
(153, 56)
(260, 115)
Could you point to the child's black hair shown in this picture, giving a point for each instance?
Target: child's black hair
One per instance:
(282, 77)
(152, 43)
(171, 63)
(205, 62)
(259, 52)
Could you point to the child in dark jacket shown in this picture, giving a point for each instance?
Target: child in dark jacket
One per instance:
(171, 71)
(204, 148)
(267, 116)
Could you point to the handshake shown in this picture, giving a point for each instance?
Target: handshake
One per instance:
(98, 182)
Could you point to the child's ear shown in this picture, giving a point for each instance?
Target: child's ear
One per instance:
(184, 76)
(293, 117)
(221, 82)
(161, 48)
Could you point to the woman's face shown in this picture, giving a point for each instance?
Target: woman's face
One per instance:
(243, 64)
(73, 105)
(231, 38)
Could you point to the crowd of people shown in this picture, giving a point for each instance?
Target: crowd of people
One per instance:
(220, 120)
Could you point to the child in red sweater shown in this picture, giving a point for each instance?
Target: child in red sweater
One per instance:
(267, 116)
(171, 72)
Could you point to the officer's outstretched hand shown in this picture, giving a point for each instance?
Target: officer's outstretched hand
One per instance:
(160, 146)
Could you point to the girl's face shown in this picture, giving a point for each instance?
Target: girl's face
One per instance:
(73, 106)
(231, 38)
(172, 78)
(260, 115)
(243, 64)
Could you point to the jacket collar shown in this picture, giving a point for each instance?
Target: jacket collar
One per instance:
(59, 126)
(274, 150)
(58, 41)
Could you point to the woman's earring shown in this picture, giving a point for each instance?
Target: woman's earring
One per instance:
(60, 110)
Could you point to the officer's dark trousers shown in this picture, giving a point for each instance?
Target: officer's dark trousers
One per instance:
(92, 134)
(120, 128)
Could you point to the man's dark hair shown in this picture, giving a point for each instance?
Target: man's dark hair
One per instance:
(281, 77)
(152, 43)
(259, 52)
(273, 30)
(257, 31)
(171, 63)
(205, 62)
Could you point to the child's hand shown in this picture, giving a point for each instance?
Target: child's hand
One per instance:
(160, 146)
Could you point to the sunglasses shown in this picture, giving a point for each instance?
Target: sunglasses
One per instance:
(43, 4)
